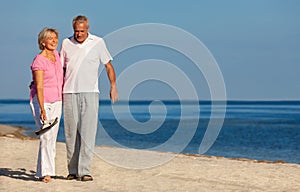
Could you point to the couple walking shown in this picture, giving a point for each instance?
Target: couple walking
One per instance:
(69, 79)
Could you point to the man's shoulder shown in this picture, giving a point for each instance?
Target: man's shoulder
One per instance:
(96, 37)
(67, 39)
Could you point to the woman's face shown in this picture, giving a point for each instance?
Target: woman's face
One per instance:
(51, 42)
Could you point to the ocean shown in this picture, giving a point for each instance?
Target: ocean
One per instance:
(261, 130)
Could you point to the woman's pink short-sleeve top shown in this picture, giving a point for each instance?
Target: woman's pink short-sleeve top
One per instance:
(53, 77)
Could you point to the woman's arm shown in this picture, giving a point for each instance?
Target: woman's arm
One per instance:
(39, 82)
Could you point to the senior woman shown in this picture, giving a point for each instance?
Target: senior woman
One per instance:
(46, 99)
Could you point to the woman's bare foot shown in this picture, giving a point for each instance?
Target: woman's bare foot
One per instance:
(46, 179)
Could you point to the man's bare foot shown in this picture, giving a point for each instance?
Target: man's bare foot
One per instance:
(46, 179)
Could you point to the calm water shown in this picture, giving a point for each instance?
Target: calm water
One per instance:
(256, 130)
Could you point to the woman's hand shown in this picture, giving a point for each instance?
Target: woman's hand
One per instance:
(43, 115)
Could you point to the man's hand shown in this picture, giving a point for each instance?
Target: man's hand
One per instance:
(113, 93)
(31, 84)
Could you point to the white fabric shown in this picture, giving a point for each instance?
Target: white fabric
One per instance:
(82, 62)
(47, 148)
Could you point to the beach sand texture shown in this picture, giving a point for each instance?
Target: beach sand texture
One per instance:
(183, 173)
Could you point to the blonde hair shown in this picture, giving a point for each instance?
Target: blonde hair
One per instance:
(80, 19)
(44, 34)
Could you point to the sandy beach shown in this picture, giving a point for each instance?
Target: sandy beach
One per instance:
(182, 173)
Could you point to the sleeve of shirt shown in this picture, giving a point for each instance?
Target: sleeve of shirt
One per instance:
(62, 55)
(105, 56)
(37, 64)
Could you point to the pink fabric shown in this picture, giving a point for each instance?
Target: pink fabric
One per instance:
(53, 78)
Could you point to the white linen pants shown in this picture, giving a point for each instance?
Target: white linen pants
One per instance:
(80, 123)
(47, 147)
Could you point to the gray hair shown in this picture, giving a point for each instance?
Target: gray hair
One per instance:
(80, 19)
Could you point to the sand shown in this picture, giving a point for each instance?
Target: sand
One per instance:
(182, 173)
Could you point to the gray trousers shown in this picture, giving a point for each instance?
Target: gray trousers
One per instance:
(80, 124)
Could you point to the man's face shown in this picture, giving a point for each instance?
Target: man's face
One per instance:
(81, 32)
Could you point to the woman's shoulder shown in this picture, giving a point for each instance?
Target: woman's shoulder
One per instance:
(38, 62)
(38, 57)
(56, 53)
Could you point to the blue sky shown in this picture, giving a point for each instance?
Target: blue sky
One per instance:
(255, 43)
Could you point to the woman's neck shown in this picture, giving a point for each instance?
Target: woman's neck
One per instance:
(49, 54)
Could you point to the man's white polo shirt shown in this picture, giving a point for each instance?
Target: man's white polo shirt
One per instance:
(82, 63)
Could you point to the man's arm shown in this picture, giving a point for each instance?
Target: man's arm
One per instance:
(113, 85)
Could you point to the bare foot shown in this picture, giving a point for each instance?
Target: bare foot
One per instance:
(46, 179)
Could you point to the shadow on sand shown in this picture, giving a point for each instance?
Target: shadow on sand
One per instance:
(22, 174)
